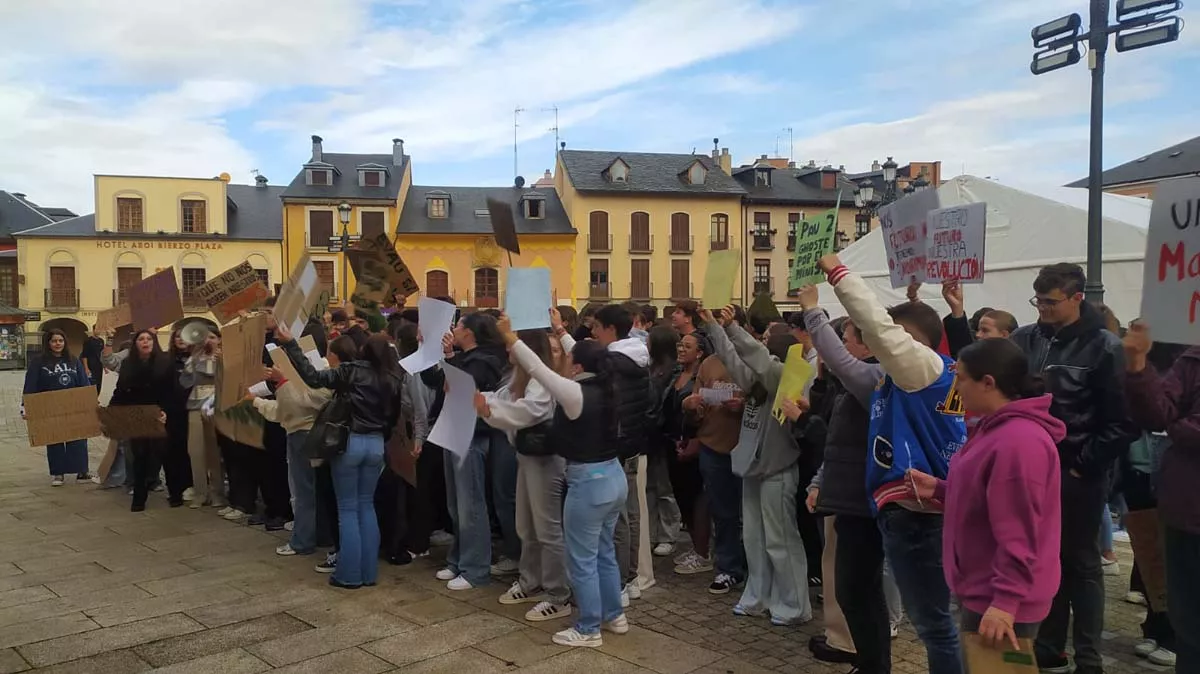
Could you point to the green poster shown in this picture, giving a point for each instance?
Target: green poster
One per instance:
(814, 240)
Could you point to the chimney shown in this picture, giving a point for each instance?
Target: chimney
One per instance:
(812, 163)
(316, 156)
(726, 161)
(791, 164)
(260, 181)
(547, 176)
(875, 166)
(397, 152)
(841, 168)
(716, 156)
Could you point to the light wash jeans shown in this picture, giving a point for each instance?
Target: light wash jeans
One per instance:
(303, 482)
(778, 568)
(355, 475)
(466, 479)
(595, 494)
(541, 481)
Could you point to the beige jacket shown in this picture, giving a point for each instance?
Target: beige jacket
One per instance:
(295, 406)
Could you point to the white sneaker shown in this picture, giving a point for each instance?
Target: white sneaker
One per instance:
(618, 625)
(544, 610)
(504, 567)
(515, 595)
(285, 550)
(234, 515)
(56, 481)
(446, 574)
(1135, 597)
(96, 479)
(572, 637)
(225, 511)
(1162, 656)
(692, 563)
(459, 583)
(633, 589)
(895, 630)
(440, 539)
(1110, 567)
(624, 598)
(189, 494)
(289, 526)
(664, 549)
(1145, 647)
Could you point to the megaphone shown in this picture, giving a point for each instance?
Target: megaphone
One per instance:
(194, 333)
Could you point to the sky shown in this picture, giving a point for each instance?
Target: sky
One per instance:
(200, 87)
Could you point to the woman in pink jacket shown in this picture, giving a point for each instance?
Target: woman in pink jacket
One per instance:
(1000, 546)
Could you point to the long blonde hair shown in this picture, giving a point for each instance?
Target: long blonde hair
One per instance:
(538, 341)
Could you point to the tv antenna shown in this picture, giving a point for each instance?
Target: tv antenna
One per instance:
(516, 116)
(554, 109)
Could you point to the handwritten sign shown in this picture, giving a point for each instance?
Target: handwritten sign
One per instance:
(954, 247)
(793, 384)
(904, 229)
(61, 416)
(504, 227)
(720, 277)
(241, 358)
(379, 270)
(236, 289)
(814, 240)
(126, 422)
(111, 319)
(1171, 271)
(154, 302)
(301, 296)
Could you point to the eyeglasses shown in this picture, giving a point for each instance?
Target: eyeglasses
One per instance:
(1047, 302)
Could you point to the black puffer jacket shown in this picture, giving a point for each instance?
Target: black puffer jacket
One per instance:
(636, 404)
(375, 397)
(844, 482)
(485, 363)
(1083, 366)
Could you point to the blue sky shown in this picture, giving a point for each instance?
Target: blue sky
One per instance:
(197, 87)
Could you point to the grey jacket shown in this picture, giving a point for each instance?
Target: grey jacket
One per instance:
(765, 447)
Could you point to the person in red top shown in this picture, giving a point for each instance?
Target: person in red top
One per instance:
(1000, 546)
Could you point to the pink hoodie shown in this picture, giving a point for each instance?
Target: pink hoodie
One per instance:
(1003, 512)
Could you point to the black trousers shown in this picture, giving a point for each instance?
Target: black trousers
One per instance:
(811, 526)
(177, 446)
(395, 501)
(272, 473)
(239, 462)
(859, 586)
(429, 511)
(328, 532)
(150, 455)
(1138, 490)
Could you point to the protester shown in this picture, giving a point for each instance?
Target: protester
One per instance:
(56, 370)
(93, 347)
(664, 518)
(199, 378)
(996, 323)
(177, 413)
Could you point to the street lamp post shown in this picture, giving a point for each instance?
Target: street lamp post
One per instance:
(342, 244)
(1140, 23)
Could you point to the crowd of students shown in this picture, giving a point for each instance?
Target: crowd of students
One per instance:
(957, 467)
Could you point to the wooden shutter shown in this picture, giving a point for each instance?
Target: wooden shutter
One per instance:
(371, 178)
(487, 288)
(372, 224)
(681, 276)
(598, 231)
(127, 277)
(437, 283)
(320, 229)
(639, 232)
(62, 287)
(681, 233)
(639, 283)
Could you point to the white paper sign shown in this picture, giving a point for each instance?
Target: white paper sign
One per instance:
(260, 390)
(456, 424)
(904, 233)
(436, 319)
(954, 247)
(715, 396)
(1171, 272)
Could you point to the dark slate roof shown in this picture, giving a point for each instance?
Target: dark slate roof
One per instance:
(793, 186)
(345, 179)
(18, 213)
(254, 214)
(465, 201)
(649, 172)
(1177, 160)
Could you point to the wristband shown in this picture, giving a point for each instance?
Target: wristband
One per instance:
(837, 274)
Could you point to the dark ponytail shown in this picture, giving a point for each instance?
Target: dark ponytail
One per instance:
(1005, 363)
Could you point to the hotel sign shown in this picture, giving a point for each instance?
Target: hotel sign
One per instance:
(173, 244)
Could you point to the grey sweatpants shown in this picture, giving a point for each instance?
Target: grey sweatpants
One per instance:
(541, 481)
(631, 539)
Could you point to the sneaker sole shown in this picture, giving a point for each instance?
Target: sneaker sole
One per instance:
(539, 618)
(689, 571)
(724, 590)
(578, 644)
(618, 632)
(509, 601)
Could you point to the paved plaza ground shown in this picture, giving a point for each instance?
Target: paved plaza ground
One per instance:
(87, 586)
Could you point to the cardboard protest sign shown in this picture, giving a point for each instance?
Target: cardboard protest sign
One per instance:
(797, 373)
(983, 659)
(814, 240)
(528, 298)
(504, 227)
(720, 277)
(903, 224)
(236, 289)
(378, 271)
(126, 422)
(1145, 537)
(301, 296)
(241, 366)
(154, 302)
(954, 247)
(61, 416)
(1171, 273)
(241, 423)
(107, 461)
(398, 452)
(111, 319)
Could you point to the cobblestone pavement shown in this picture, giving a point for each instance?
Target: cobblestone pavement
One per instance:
(87, 586)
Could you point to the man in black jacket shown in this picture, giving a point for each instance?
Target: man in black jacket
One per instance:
(1082, 364)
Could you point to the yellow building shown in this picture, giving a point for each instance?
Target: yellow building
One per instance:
(72, 269)
(647, 221)
(445, 238)
(336, 195)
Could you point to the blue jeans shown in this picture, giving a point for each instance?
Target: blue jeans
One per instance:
(67, 458)
(471, 553)
(595, 494)
(303, 482)
(724, 491)
(913, 545)
(503, 459)
(355, 475)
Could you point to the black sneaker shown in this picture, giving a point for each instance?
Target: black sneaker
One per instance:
(723, 583)
(328, 565)
(1058, 664)
(275, 524)
(256, 520)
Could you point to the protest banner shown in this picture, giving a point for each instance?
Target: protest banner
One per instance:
(797, 373)
(378, 271)
(983, 659)
(109, 320)
(127, 422)
(527, 299)
(504, 226)
(61, 416)
(301, 296)
(903, 225)
(237, 289)
(1145, 537)
(242, 343)
(1171, 270)
(720, 277)
(955, 245)
(814, 240)
(154, 302)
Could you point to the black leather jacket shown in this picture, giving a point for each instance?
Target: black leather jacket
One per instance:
(375, 397)
(1083, 366)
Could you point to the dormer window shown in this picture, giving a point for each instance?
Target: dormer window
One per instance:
(618, 172)
(372, 178)
(762, 177)
(320, 177)
(438, 204)
(535, 207)
(696, 173)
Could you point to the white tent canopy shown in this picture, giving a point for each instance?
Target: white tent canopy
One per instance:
(1027, 228)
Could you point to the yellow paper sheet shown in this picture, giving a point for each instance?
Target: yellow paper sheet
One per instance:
(796, 374)
(720, 277)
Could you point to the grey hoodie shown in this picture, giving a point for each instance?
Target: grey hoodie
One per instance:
(765, 447)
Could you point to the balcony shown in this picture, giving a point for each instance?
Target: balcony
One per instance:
(193, 302)
(599, 291)
(641, 291)
(764, 286)
(763, 242)
(681, 245)
(679, 292)
(62, 299)
(600, 244)
(642, 246)
(719, 243)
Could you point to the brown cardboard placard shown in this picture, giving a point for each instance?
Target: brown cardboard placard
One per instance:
(1145, 537)
(235, 290)
(60, 416)
(307, 343)
(379, 269)
(301, 297)
(106, 463)
(240, 423)
(111, 319)
(983, 659)
(398, 453)
(504, 227)
(241, 363)
(154, 302)
(127, 422)
(281, 362)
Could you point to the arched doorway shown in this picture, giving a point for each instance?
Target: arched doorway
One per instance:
(75, 330)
